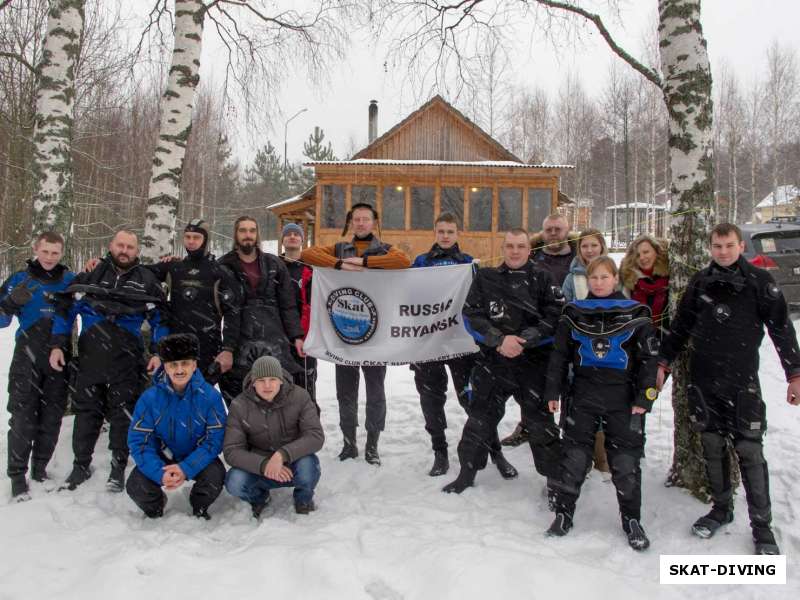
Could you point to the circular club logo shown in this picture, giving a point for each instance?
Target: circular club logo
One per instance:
(353, 315)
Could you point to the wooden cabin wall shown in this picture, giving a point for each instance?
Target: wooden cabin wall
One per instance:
(436, 135)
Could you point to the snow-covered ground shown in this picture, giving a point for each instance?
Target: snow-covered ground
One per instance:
(385, 533)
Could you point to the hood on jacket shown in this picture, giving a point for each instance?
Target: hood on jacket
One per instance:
(573, 237)
(576, 267)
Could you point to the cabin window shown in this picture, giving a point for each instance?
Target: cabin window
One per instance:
(393, 215)
(363, 193)
(509, 209)
(422, 208)
(452, 201)
(538, 207)
(480, 209)
(333, 212)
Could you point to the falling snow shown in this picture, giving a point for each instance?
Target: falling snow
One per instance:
(388, 532)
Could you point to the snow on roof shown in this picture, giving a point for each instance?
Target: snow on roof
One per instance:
(636, 205)
(786, 195)
(287, 201)
(299, 196)
(439, 163)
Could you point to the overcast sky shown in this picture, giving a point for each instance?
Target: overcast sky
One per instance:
(738, 32)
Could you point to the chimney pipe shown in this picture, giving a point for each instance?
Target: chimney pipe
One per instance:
(373, 120)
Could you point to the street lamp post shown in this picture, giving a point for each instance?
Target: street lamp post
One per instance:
(285, 142)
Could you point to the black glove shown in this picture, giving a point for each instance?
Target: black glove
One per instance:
(18, 297)
(531, 336)
(213, 373)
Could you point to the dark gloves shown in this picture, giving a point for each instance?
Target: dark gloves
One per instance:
(19, 296)
(531, 336)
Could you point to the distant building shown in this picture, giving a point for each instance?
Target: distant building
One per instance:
(786, 203)
(435, 160)
(625, 222)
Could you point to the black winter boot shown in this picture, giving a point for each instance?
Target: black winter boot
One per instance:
(304, 508)
(19, 489)
(465, 479)
(518, 437)
(349, 450)
(116, 480)
(79, 475)
(158, 511)
(637, 539)
(258, 507)
(764, 540)
(39, 472)
(441, 464)
(506, 469)
(371, 449)
(201, 513)
(560, 526)
(705, 527)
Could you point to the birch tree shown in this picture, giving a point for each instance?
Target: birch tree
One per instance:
(176, 125)
(263, 42)
(55, 103)
(445, 33)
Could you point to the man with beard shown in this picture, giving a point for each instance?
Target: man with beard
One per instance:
(270, 323)
(37, 394)
(431, 377)
(511, 311)
(113, 300)
(292, 239)
(364, 251)
(200, 293)
(554, 254)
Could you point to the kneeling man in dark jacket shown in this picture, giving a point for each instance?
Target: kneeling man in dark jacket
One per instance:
(272, 436)
(176, 432)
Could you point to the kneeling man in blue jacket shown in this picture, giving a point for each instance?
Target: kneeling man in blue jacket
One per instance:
(176, 433)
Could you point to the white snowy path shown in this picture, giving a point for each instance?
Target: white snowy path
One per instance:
(384, 533)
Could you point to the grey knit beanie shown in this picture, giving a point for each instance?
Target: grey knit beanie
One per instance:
(292, 227)
(266, 366)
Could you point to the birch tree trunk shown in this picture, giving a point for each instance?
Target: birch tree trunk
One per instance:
(175, 126)
(55, 104)
(687, 92)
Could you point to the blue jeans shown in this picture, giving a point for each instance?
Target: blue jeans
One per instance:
(255, 489)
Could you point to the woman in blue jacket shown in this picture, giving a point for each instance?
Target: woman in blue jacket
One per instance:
(612, 347)
(176, 433)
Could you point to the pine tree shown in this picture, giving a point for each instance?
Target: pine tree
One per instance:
(314, 148)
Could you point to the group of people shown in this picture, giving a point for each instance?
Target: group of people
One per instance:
(558, 325)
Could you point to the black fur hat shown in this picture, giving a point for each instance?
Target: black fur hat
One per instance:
(178, 346)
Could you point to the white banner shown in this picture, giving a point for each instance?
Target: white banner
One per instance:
(391, 317)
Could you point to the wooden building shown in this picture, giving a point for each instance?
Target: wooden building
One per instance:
(436, 160)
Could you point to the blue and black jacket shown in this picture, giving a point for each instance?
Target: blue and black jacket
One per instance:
(439, 257)
(166, 428)
(613, 349)
(36, 315)
(112, 305)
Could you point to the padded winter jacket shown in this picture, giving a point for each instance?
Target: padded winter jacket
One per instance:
(257, 429)
(187, 429)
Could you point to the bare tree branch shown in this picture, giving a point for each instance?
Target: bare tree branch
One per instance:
(646, 72)
(19, 58)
